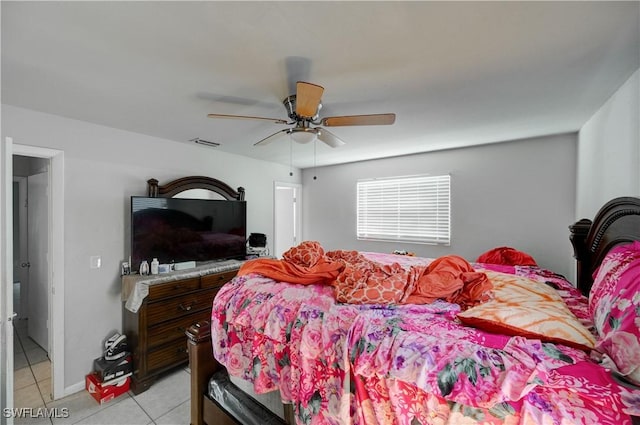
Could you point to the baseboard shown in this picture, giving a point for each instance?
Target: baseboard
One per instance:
(75, 388)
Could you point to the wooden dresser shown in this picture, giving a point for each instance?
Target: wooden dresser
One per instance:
(167, 305)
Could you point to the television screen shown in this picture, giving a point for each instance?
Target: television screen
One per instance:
(176, 229)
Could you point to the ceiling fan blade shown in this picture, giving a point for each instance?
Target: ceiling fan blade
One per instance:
(244, 117)
(271, 138)
(374, 119)
(307, 99)
(236, 100)
(329, 138)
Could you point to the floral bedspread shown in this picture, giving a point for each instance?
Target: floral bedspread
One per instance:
(406, 364)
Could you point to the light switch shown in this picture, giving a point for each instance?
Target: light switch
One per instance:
(95, 262)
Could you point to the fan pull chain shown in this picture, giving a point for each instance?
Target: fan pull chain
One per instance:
(290, 157)
(315, 143)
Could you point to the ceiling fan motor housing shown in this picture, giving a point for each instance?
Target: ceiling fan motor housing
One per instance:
(290, 104)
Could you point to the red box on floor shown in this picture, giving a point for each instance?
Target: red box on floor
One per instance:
(105, 393)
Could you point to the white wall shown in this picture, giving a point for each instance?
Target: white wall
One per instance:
(103, 168)
(519, 194)
(609, 151)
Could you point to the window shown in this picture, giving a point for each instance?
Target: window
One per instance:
(408, 209)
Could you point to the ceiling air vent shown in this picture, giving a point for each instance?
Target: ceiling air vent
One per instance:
(204, 142)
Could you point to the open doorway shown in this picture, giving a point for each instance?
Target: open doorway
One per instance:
(32, 281)
(287, 216)
(55, 272)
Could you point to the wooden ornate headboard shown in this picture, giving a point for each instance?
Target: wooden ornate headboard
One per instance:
(194, 182)
(617, 222)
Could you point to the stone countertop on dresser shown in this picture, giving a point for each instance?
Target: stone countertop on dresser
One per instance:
(135, 288)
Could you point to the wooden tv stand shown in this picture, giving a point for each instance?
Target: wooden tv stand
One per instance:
(156, 329)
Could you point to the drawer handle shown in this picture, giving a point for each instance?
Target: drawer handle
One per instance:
(187, 308)
(177, 287)
(182, 350)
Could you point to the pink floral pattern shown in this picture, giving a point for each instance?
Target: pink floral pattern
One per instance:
(615, 305)
(406, 364)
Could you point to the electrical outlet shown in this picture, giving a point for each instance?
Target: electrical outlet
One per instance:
(95, 262)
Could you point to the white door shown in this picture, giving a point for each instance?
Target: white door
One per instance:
(38, 247)
(6, 278)
(287, 217)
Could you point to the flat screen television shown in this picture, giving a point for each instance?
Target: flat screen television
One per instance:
(177, 230)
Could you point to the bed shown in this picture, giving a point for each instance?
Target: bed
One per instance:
(349, 362)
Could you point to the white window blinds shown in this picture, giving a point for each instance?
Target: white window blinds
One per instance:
(408, 209)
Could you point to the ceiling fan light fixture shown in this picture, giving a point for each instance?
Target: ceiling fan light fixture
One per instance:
(303, 135)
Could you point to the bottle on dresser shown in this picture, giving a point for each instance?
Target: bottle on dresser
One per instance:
(144, 268)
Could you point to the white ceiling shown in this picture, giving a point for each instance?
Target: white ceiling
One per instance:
(455, 73)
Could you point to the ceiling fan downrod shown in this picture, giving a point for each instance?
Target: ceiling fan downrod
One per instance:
(289, 103)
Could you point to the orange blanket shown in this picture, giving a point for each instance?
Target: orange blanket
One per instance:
(305, 264)
(450, 278)
(453, 279)
(358, 280)
(363, 281)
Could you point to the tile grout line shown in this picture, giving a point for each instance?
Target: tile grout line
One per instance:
(142, 408)
(165, 413)
(17, 333)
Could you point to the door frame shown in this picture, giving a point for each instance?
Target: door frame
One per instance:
(297, 213)
(6, 278)
(56, 257)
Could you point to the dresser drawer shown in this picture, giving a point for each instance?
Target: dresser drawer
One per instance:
(217, 280)
(156, 332)
(172, 289)
(174, 329)
(181, 306)
(169, 355)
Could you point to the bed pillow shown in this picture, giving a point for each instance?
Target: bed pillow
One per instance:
(507, 256)
(615, 305)
(605, 278)
(524, 307)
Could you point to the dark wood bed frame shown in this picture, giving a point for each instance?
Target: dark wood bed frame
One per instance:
(618, 221)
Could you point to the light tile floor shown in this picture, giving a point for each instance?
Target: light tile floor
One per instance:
(165, 403)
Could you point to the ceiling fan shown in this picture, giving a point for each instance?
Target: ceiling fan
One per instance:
(303, 109)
